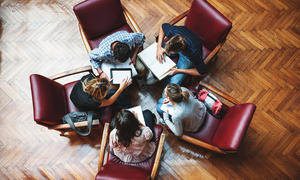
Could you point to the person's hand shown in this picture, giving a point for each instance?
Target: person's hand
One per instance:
(125, 83)
(165, 101)
(135, 114)
(133, 60)
(173, 71)
(160, 54)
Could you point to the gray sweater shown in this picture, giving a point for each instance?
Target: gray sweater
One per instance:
(186, 116)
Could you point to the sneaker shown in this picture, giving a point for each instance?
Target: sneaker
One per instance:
(150, 80)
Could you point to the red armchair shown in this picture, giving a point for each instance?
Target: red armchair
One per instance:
(100, 18)
(209, 24)
(51, 101)
(114, 168)
(226, 134)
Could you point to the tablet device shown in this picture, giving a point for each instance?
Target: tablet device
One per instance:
(118, 74)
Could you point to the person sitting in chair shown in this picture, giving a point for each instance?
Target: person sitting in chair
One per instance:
(131, 141)
(92, 93)
(187, 45)
(118, 47)
(181, 111)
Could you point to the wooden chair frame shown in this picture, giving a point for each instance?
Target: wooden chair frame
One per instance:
(104, 140)
(212, 54)
(202, 143)
(129, 18)
(66, 127)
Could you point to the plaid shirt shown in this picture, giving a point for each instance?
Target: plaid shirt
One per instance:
(104, 54)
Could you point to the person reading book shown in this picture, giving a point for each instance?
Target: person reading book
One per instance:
(180, 111)
(187, 45)
(118, 47)
(130, 141)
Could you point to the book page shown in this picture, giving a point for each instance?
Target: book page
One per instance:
(138, 110)
(105, 67)
(148, 56)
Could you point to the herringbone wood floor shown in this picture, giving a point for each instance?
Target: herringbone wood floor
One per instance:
(259, 63)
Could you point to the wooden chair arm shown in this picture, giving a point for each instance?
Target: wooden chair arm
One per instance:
(213, 53)
(219, 92)
(84, 39)
(131, 20)
(103, 145)
(71, 72)
(178, 18)
(201, 143)
(76, 124)
(158, 155)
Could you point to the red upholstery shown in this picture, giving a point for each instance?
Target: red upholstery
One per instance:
(94, 43)
(233, 126)
(145, 165)
(68, 90)
(120, 172)
(49, 100)
(208, 23)
(98, 17)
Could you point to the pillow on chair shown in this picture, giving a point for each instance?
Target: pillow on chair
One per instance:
(212, 103)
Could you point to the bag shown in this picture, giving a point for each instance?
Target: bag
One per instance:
(78, 116)
(211, 102)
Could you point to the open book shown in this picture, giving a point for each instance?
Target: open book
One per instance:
(148, 57)
(106, 66)
(139, 112)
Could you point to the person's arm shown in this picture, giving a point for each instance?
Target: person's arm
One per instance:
(96, 60)
(133, 59)
(160, 50)
(125, 83)
(193, 72)
(176, 127)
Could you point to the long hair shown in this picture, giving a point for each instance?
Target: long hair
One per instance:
(127, 127)
(97, 88)
(176, 44)
(175, 93)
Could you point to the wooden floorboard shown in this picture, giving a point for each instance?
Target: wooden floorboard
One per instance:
(259, 63)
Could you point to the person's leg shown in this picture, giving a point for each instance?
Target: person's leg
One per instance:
(149, 119)
(183, 63)
(158, 107)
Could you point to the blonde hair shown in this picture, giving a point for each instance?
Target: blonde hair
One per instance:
(97, 88)
(176, 44)
(175, 93)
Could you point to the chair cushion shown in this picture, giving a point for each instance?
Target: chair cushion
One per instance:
(99, 17)
(118, 172)
(94, 43)
(207, 130)
(49, 100)
(208, 23)
(233, 126)
(145, 165)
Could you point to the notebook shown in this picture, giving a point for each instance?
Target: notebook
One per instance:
(138, 110)
(148, 57)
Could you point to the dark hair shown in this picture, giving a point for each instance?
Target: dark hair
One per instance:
(127, 127)
(175, 93)
(176, 44)
(121, 52)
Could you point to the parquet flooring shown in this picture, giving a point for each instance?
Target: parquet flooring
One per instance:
(259, 63)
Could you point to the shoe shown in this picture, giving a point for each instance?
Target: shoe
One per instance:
(150, 80)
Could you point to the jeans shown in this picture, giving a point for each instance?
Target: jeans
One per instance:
(183, 63)
(158, 106)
